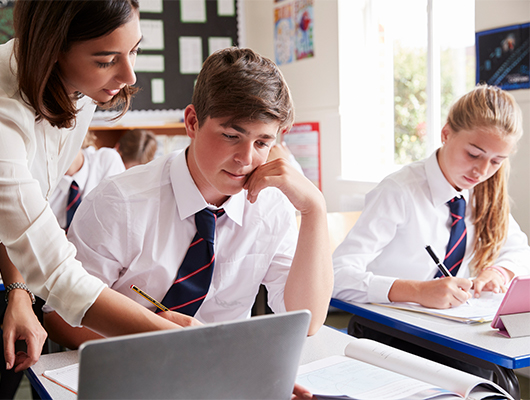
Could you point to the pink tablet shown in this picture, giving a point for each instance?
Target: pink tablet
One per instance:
(516, 300)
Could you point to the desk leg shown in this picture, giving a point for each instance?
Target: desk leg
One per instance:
(504, 377)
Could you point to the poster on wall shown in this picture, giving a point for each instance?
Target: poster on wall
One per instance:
(503, 57)
(284, 34)
(303, 140)
(304, 29)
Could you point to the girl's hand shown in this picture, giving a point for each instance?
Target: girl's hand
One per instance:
(490, 280)
(21, 323)
(437, 293)
(445, 292)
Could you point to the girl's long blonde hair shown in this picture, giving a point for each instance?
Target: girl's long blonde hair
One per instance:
(491, 109)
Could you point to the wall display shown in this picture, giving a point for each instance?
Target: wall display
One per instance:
(503, 57)
(293, 31)
(303, 140)
(178, 37)
(304, 29)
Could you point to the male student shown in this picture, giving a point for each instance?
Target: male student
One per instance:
(135, 229)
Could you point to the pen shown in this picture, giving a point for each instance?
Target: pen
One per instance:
(443, 269)
(149, 298)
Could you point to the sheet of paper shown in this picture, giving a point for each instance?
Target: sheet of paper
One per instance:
(153, 34)
(193, 10)
(67, 377)
(190, 49)
(482, 309)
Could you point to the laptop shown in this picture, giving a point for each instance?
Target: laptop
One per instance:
(256, 358)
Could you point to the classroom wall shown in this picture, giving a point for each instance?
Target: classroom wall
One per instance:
(493, 14)
(314, 85)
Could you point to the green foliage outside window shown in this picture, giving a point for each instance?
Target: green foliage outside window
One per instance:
(410, 97)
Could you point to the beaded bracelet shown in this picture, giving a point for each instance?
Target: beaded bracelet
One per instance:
(19, 285)
(501, 271)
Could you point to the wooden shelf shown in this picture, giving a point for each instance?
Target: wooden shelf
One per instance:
(108, 136)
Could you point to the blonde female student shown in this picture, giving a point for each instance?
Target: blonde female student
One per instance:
(455, 201)
(67, 56)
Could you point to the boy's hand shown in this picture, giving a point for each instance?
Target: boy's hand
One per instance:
(300, 191)
(180, 319)
(300, 393)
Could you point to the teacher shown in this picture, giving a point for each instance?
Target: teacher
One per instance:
(66, 58)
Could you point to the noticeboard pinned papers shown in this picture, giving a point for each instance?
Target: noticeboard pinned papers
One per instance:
(303, 140)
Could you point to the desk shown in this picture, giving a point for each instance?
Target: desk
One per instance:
(476, 344)
(325, 343)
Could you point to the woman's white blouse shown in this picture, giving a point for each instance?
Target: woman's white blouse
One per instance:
(33, 157)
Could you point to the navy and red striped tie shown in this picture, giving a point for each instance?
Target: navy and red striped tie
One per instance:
(456, 248)
(195, 273)
(74, 199)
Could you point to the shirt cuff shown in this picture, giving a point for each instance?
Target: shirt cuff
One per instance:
(379, 288)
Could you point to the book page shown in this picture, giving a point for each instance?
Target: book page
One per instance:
(67, 377)
(343, 377)
(417, 367)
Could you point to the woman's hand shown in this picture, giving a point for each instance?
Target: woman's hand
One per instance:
(21, 323)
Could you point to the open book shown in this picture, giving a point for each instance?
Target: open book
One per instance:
(478, 310)
(371, 370)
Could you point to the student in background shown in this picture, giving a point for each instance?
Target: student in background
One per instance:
(67, 56)
(137, 146)
(89, 168)
(149, 212)
(280, 150)
(383, 258)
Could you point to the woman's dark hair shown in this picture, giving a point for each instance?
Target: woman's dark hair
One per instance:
(44, 30)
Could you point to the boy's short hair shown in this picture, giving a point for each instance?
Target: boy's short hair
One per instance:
(243, 85)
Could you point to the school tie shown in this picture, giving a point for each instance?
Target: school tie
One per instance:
(195, 273)
(74, 199)
(457, 239)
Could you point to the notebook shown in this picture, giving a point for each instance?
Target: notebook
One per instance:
(256, 358)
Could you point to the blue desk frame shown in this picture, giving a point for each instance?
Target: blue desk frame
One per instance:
(500, 364)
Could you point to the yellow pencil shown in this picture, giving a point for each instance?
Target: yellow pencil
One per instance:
(149, 298)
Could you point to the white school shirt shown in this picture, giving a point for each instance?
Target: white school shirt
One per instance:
(97, 165)
(33, 157)
(135, 229)
(403, 214)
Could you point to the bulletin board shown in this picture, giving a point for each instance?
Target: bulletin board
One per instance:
(503, 57)
(303, 140)
(178, 35)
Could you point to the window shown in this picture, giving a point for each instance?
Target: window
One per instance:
(402, 64)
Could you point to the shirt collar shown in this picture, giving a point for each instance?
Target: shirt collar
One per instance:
(441, 190)
(189, 198)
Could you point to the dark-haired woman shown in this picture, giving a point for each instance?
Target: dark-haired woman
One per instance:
(67, 56)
